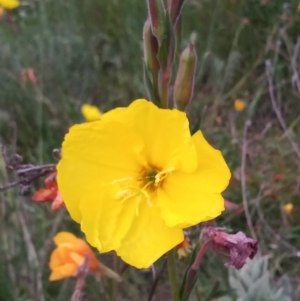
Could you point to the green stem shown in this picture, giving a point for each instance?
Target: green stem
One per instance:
(173, 274)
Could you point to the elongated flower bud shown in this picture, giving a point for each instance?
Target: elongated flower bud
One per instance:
(184, 84)
(156, 11)
(150, 55)
(175, 7)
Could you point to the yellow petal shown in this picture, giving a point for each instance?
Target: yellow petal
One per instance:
(100, 151)
(148, 239)
(188, 199)
(9, 4)
(136, 231)
(166, 134)
(64, 271)
(105, 220)
(90, 113)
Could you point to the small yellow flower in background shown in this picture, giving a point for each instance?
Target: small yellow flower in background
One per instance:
(288, 208)
(184, 248)
(70, 254)
(9, 4)
(90, 113)
(239, 105)
(137, 178)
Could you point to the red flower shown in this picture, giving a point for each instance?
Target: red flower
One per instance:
(50, 193)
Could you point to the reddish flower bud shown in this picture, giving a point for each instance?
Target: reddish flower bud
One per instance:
(150, 55)
(156, 12)
(238, 245)
(174, 8)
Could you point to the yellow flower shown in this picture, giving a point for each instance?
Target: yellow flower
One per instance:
(239, 105)
(9, 4)
(288, 208)
(70, 253)
(137, 178)
(89, 112)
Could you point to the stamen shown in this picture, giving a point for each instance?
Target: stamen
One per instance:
(160, 176)
(129, 192)
(127, 179)
(132, 186)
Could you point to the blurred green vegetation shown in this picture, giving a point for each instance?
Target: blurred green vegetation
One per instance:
(91, 52)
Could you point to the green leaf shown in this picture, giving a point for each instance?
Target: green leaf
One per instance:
(253, 282)
(220, 294)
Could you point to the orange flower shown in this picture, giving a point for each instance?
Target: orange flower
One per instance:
(50, 193)
(288, 208)
(184, 248)
(239, 105)
(70, 254)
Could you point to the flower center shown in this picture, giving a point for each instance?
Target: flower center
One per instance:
(140, 188)
(153, 178)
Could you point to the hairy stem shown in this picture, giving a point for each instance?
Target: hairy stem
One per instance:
(173, 274)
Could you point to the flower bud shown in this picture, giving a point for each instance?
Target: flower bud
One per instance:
(184, 84)
(150, 55)
(237, 247)
(174, 8)
(156, 11)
